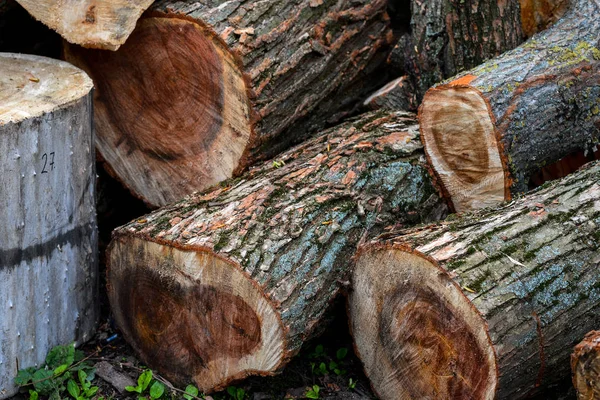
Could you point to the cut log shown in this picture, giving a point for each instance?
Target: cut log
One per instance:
(48, 239)
(396, 95)
(90, 23)
(200, 92)
(239, 277)
(482, 307)
(585, 367)
(449, 36)
(537, 15)
(490, 129)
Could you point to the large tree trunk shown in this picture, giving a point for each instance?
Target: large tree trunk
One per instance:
(230, 283)
(449, 36)
(96, 24)
(490, 129)
(486, 306)
(48, 239)
(585, 367)
(201, 91)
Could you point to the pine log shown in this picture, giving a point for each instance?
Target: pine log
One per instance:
(240, 276)
(95, 24)
(449, 36)
(481, 307)
(199, 91)
(399, 94)
(490, 129)
(585, 367)
(48, 239)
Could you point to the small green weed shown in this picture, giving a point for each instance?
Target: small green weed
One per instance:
(157, 389)
(54, 376)
(313, 392)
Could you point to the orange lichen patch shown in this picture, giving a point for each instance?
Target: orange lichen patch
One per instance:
(464, 80)
(414, 347)
(460, 140)
(537, 15)
(190, 311)
(164, 150)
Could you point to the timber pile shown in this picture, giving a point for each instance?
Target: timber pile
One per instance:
(485, 306)
(199, 92)
(585, 367)
(256, 263)
(487, 131)
(230, 280)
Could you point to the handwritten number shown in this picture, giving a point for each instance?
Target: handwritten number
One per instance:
(46, 164)
(45, 158)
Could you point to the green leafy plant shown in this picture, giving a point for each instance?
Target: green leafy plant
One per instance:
(313, 392)
(157, 389)
(142, 383)
(86, 391)
(51, 379)
(191, 392)
(236, 393)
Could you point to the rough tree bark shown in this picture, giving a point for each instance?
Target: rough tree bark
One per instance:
(231, 86)
(448, 36)
(585, 367)
(239, 277)
(48, 239)
(488, 130)
(482, 307)
(96, 24)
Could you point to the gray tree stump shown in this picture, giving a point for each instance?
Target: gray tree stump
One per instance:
(48, 239)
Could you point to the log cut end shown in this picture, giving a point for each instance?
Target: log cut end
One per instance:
(192, 315)
(31, 86)
(171, 108)
(460, 140)
(416, 333)
(95, 24)
(585, 366)
(537, 15)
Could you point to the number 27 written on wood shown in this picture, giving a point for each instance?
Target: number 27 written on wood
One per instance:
(48, 161)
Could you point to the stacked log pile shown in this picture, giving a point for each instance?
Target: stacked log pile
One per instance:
(241, 263)
(255, 263)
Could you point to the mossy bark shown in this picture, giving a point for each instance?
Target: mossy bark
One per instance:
(290, 226)
(529, 269)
